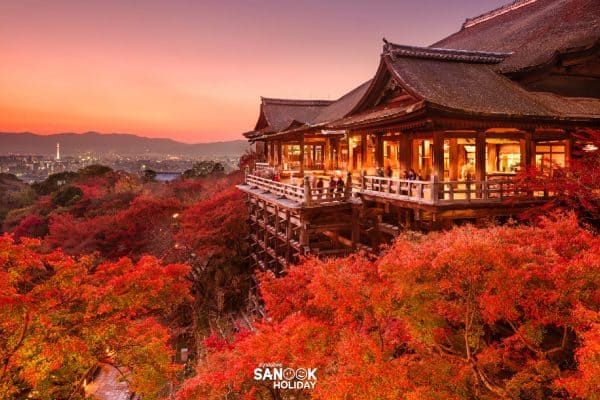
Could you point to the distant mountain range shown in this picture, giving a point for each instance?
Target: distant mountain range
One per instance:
(107, 144)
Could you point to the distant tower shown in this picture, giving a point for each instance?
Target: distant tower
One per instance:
(57, 151)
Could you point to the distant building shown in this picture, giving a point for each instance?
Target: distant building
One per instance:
(57, 151)
(434, 137)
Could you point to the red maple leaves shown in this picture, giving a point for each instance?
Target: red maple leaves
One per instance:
(509, 312)
(59, 316)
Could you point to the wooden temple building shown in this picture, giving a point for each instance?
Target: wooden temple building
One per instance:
(435, 137)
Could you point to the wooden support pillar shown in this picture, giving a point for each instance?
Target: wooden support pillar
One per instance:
(405, 153)
(376, 235)
(435, 223)
(480, 157)
(276, 239)
(266, 232)
(307, 192)
(379, 150)
(438, 155)
(326, 155)
(266, 151)
(349, 144)
(453, 155)
(302, 155)
(334, 151)
(363, 151)
(568, 148)
(348, 186)
(272, 153)
(304, 235)
(280, 154)
(526, 147)
(407, 218)
(415, 146)
(288, 236)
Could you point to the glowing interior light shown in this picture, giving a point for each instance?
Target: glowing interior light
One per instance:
(590, 147)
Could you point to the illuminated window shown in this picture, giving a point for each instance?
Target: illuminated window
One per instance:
(549, 155)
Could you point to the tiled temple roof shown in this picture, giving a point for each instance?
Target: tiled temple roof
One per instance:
(280, 113)
(467, 72)
(431, 53)
(462, 83)
(536, 32)
(342, 106)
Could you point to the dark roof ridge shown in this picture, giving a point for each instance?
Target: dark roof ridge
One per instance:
(293, 102)
(487, 57)
(496, 12)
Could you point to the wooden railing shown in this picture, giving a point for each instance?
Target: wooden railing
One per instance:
(425, 192)
(445, 192)
(409, 190)
(286, 190)
(477, 191)
(261, 166)
(304, 193)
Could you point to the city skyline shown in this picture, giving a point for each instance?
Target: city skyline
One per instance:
(194, 72)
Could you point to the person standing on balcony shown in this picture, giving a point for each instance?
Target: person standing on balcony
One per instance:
(340, 186)
(320, 184)
(312, 180)
(332, 185)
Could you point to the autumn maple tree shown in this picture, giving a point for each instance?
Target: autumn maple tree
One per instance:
(574, 187)
(61, 316)
(498, 312)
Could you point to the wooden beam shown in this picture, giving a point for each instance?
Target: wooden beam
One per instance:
(460, 134)
(338, 238)
(329, 227)
(549, 135)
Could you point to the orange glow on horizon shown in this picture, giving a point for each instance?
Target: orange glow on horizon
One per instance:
(192, 71)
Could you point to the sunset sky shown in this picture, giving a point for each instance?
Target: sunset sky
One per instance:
(194, 70)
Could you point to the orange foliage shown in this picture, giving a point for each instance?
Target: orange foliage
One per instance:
(500, 312)
(60, 316)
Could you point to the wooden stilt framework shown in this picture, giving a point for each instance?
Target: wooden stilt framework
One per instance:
(280, 235)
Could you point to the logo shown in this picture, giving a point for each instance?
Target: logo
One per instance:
(286, 378)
